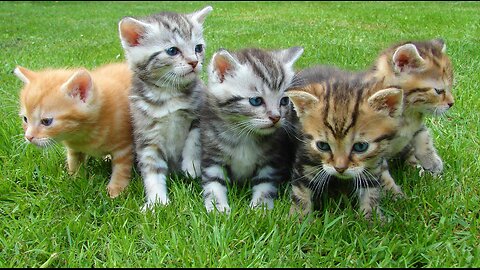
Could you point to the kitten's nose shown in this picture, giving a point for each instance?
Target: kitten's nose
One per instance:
(193, 63)
(450, 104)
(340, 169)
(29, 138)
(274, 118)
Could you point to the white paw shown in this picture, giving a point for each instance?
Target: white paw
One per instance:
(150, 204)
(222, 208)
(262, 203)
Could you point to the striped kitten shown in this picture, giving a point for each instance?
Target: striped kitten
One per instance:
(165, 51)
(423, 70)
(88, 112)
(245, 124)
(346, 128)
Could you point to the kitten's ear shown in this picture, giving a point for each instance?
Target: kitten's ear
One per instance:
(440, 43)
(24, 74)
(302, 101)
(407, 58)
(388, 101)
(80, 86)
(223, 63)
(289, 56)
(131, 31)
(200, 15)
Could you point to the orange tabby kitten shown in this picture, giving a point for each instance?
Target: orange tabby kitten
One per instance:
(86, 111)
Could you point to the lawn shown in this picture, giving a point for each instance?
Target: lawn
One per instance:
(50, 219)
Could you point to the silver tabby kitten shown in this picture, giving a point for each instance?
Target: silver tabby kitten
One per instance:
(165, 52)
(245, 124)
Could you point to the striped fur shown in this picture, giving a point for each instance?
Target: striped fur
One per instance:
(165, 52)
(337, 114)
(424, 72)
(88, 112)
(242, 142)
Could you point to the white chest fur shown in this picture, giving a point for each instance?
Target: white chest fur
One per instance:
(244, 158)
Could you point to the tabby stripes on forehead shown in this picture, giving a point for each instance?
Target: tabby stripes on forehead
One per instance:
(267, 70)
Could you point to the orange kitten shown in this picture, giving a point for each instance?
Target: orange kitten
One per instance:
(86, 111)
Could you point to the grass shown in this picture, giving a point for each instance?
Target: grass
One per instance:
(50, 219)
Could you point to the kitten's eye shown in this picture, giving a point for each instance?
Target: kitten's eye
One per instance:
(172, 51)
(25, 119)
(323, 146)
(199, 48)
(256, 101)
(46, 121)
(360, 147)
(439, 91)
(284, 101)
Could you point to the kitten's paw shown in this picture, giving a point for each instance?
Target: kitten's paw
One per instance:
(432, 164)
(190, 169)
(150, 204)
(222, 208)
(114, 190)
(264, 203)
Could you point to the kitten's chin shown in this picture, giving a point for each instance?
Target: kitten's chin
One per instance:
(40, 143)
(266, 130)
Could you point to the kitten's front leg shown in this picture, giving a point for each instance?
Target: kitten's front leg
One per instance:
(122, 161)
(388, 182)
(426, 153)
(301, 199)
(369, 199)
(191, 155)
(214, 189)
(74, 160)
(154, 171)
(264, 188)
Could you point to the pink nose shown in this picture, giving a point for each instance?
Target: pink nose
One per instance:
(340, 169)
(29, 138)
(193, 63)
(274, 118)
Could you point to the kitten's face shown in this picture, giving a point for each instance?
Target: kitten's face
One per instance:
(167, 48)
(53, 103)
(248, 88)
(347, 137)
(425, 73)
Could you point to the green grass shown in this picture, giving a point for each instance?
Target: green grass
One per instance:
(51, 219)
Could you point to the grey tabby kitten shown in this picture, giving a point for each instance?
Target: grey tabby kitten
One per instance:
(246, 128)
(165, 52)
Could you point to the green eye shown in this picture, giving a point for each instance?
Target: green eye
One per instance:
(323, 146)
(360, 147)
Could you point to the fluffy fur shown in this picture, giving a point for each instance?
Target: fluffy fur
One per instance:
(424, 72)
(86, 111)
(246, 128)
(346, 129)
(165, 51)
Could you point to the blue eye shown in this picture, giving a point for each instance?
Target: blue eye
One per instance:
(323, 146)
(360, 147)
(256, 101)
(199, 48)
(284, 101)
(172, 51)
(46, 121)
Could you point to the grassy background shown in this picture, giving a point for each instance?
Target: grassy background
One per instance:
(48, 218)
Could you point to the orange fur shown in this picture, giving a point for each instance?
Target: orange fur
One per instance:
(90, 115)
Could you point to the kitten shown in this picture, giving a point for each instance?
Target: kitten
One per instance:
(86, 111)
(346, 127)
(423, 70)
(165, 51)
(246, 133)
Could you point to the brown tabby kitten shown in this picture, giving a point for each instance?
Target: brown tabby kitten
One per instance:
(86, 111)
(347, 127)
(424, 72)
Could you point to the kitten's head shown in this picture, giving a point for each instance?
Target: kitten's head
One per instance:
(247, 88)
(165, 48)
(346, 129)
(54, 103)
(424, 71)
